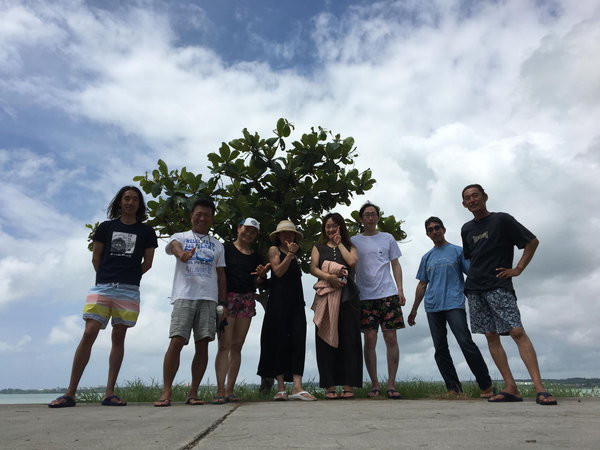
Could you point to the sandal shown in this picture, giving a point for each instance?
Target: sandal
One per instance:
(64, 401)
(541, 398)
(113, 400)
(162, 403)
(193, 401)
(391, 394)
(232, 398)
(281, 396)
(347, 395)
(219, 400)
(332, 395)
(375, 392)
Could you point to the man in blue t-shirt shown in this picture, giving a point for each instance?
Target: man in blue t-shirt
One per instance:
(441, 284)
(488, 242)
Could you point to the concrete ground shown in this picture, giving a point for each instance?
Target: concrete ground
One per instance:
(431, 424)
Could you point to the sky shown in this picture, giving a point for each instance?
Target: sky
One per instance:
(437, 94)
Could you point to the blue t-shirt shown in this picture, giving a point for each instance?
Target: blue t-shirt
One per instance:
(442, 268)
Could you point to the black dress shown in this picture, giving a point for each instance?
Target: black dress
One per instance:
(283, 335)
(341, 366)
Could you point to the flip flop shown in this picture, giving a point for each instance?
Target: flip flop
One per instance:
(280, 397)
(344, 395)
(391, 396)
(545, 395)
(162, 403)
(374, 393)
(488, 395)
(109, 401)
(67, 403)
(507, 397)
(219, 400)
(332, 395)
(302, 395)
(232, 398)
(193, 401)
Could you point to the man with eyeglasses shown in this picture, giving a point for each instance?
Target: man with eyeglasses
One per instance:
(488, 242)
(381, 296)
(441, 284)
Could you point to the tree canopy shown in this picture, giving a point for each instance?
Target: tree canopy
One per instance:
(267, 179)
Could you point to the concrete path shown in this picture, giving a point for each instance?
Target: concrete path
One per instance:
(431, 424)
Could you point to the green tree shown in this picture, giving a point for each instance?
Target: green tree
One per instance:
(267, 179)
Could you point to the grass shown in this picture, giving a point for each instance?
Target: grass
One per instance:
(138, 391)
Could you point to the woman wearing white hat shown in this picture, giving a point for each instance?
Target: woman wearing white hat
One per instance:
(283, 336)
(244, 270)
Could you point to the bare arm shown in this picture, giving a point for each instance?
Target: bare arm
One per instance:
(332, 279)
(528, 252)
(177, 250)
(397, 271)
(148, 258)
(419, 294)
(280, 266)
(97, 250)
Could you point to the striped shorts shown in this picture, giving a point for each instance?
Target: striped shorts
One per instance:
(119, 301)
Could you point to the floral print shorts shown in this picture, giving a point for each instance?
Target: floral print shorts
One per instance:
(241, 305)
(386, 312)
(493, 311)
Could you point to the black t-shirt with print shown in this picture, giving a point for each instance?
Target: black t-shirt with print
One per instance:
(489, 243)
(124, 247)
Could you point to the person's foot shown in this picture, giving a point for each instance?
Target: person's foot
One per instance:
(393, 394)
(193, 401)
(375, 392)
(332, 395)
(302, 395)
(232, 398)
(545, 398)
(488, 393)
(219, 400)
(281, 396)
(505, 397)
(162, 402)
(64, 401)
(113, 400)
(347, 394)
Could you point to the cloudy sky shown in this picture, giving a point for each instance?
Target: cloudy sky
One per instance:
(437, 93)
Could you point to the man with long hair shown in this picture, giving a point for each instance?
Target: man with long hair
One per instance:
(122, 252)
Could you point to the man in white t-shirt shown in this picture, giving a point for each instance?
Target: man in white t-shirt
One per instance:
(381, 296)
(198, 285)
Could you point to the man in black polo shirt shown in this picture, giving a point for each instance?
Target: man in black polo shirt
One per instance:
(488, 242)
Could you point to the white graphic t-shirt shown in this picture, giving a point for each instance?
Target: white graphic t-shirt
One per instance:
(196, 279)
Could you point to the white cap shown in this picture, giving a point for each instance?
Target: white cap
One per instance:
(250, 222)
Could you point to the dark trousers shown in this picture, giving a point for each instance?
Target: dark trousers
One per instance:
(457, 320)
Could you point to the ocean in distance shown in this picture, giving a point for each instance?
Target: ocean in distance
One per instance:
(28, 399)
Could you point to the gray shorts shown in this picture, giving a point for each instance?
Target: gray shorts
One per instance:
(494, 311)
(197, 315)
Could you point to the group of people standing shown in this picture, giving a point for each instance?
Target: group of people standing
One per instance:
(359, 289)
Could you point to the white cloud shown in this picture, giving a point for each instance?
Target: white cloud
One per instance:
(17, 347)
(437, 97)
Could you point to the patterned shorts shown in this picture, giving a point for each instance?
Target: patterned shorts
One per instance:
(493, 311)
(386, 312)
(241, 305)
(119, 301)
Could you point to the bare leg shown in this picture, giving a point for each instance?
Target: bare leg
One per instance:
(529, 357)
(82, 354)
(371, 356)
(222, 358)
(501, 361)
(393, 356)
(171, 365)
(115, 359)
(240, 330)
(199, 364)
